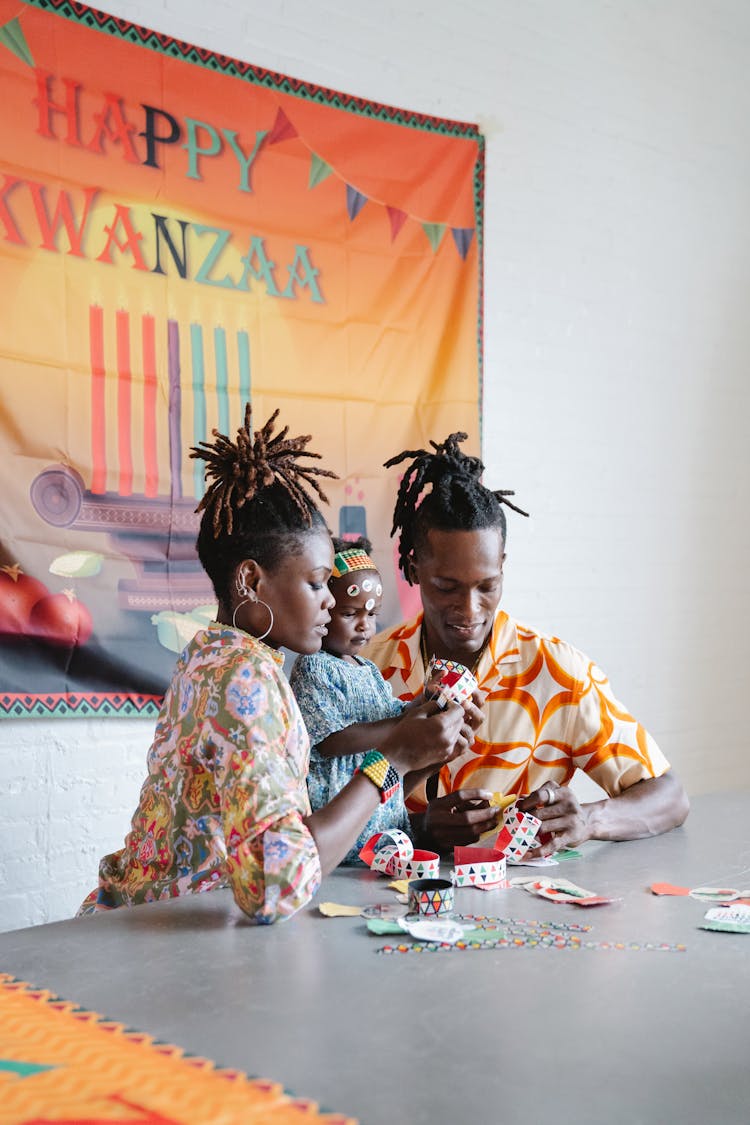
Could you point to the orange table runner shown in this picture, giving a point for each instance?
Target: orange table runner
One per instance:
(60, 1063)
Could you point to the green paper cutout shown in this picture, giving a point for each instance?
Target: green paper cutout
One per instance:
(12, 37)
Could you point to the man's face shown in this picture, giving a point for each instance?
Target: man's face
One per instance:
(460, 576)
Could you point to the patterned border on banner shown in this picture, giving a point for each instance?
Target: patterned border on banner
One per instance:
(259, 76)
(62, 1062)
(62, 705)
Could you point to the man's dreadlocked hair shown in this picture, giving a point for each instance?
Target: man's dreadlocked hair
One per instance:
(257, 505)
(457, 500)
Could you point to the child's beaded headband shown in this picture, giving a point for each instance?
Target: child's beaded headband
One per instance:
(354, 558)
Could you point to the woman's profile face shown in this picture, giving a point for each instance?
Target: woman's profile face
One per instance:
(297, 592)
(460, 576)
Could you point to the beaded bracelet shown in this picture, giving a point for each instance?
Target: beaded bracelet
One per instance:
(377, 769)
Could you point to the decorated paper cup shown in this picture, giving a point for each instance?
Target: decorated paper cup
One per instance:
(430, 898)
(448, 681)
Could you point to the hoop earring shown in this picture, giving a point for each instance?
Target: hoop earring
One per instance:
(254, 601)
(265, 605)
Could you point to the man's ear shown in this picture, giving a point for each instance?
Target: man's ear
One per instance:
(413, 571)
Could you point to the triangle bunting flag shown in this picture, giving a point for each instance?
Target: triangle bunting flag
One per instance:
(397, 219)
(462, 237)
(355, 201)
(12, 37)
(283, 130)
(434, 232)
(319, 170)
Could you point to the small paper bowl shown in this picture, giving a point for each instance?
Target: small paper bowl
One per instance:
(430, 898)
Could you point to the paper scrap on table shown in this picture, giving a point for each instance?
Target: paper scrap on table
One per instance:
(703, 894)
(715, 894)
(400, 885)
(468, 932)
(339, 910)
(547, 860)
(668, 889)
(733, 919)
(561, 890)
(342, 910)
(433, 929)
(543, 861)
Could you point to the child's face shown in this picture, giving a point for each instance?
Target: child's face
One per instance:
(359, 596)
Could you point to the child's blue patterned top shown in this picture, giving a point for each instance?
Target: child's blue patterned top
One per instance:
(332, 694)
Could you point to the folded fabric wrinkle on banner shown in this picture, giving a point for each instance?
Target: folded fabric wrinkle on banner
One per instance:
(392, 853)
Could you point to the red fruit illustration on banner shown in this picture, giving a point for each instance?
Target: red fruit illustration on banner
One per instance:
(60, 619)
(18, 594)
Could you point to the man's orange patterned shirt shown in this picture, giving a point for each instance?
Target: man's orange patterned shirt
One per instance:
(548, 711)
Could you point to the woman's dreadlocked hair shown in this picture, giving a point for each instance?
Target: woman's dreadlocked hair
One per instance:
(257, 505)
(457, 500)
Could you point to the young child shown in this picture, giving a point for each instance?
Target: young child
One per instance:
(225, 801)
(347, 706)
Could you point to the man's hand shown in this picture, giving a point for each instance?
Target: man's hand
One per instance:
(650, 806)
(565, 822)
(458, 818)
(473, 713)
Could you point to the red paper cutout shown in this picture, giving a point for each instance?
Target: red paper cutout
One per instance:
(668, 889)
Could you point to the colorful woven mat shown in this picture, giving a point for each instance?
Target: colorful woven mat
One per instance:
(61, 1064)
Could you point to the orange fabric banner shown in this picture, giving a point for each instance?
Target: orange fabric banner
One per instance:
(181, 232)
(63, 1065)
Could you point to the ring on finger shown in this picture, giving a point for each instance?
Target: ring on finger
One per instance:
(550, 798)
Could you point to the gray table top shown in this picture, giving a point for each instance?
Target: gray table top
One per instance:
(520, 1035)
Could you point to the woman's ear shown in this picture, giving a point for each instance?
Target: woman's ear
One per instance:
(413, 571)
(247, 577)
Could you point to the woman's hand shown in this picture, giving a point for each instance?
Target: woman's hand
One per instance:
(427, 736)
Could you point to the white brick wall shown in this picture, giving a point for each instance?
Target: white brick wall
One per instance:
(616, 389)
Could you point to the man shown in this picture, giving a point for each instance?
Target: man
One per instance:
(547, 709)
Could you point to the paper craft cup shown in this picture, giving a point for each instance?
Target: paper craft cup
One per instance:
(449, 681)
(430, 898)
